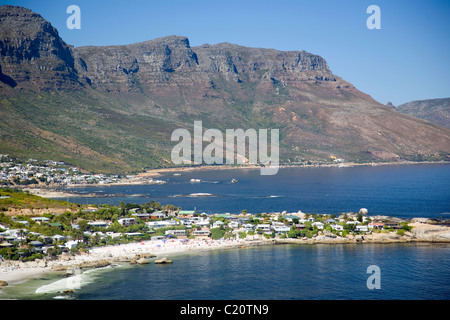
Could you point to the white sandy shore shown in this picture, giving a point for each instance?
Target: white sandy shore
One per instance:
(14, 272)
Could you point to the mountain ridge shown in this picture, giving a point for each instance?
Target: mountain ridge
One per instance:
(434, 110)
(113, 108)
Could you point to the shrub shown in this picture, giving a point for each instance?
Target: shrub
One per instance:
(217, 233)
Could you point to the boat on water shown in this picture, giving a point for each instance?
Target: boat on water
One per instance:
(234, 181)
(195, 180)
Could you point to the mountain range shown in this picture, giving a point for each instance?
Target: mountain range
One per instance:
(433, 110)
(113, 108)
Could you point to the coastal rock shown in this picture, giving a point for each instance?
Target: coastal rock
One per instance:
(95, 264)
(83, 264)
(432, 233)
(363, 211)
(163, 261)
(146, 255)
(65, 256)
(143, 261)
(60, 267)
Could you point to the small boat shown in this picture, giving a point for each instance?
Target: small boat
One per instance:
(234, 181)
(196, 180)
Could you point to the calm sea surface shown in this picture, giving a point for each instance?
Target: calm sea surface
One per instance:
(404, 191)
(283, 272)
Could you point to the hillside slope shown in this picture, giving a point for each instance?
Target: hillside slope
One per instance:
(113, 108)
(434, 110)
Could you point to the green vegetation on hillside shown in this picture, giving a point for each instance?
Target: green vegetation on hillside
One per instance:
(17, 199)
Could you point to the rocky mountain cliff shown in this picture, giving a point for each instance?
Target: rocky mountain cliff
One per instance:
(433, 110)
(32, 52)
(113, 108)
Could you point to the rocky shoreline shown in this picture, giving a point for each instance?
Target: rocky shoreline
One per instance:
(12, 272)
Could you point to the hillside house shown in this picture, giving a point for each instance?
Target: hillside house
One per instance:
(176, 233)
(376, 225)
(280, 229)
(362, 228)
(201, 234)
(157, 215)
(319, 225)
(98, 224)
(40, 219)
(142, 216)
(186, 213)
(337, 227)
(233, 224)
(217, 224)
(264, 227)
(125, 222)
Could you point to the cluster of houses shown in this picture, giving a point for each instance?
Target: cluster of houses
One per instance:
(184, 223)
(14, 171)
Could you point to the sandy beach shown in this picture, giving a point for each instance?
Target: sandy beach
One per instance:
(14, 272)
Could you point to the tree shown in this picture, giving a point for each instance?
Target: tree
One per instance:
(122, 208)
(349, 227)
(83, 224)
(294, 233)
(217, 233)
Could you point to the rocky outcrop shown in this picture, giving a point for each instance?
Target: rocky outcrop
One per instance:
(163, 261)
(32, 53)
(81, 264)
(422, 232)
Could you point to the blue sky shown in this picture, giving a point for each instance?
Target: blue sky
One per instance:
(407, 59)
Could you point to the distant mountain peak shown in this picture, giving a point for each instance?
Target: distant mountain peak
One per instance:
(32, 52)
(114, 107)
(434, 110)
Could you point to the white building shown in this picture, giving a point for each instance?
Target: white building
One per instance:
(126, 221)
(40, 219)
(217, 224)
(281, 229)
(337, 227)
(363, 228)
(176, 233)
(233, 224)
(162, 224)
(98, 224)
(266, 228)
(318, 224)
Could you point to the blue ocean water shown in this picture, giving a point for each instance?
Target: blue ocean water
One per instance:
(279, 272)
(403, 191)
(284, 272)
